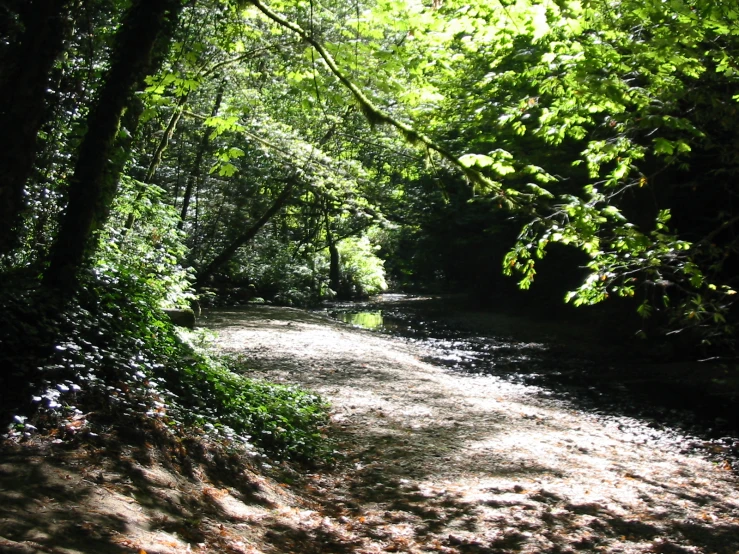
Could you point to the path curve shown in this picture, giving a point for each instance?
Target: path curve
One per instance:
(433, 461)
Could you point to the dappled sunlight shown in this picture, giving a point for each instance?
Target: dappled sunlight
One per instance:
(437, 460)
(428, 459)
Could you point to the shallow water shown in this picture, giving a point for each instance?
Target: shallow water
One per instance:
(366, 319)
(560, 362)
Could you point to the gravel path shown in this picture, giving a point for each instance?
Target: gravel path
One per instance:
(433, 461)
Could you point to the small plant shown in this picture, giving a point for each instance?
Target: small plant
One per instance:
(110, 351)
(285, 422)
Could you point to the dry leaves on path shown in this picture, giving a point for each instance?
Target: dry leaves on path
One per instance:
(437, 461)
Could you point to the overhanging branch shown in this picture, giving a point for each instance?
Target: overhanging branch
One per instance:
(374, 114)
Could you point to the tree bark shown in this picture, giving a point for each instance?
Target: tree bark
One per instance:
(93, 185)
(24, 80)
(245, 237)
(334, 268)
(197, 169)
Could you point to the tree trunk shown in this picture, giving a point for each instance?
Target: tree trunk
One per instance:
(334, 269)
(93, 185)
(23, 84)
(245, 237)
(156, 159)
(197, 169)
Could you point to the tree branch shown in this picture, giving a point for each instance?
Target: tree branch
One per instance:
(374, 114)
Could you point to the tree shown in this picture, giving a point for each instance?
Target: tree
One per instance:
(143, 36)
(588, 124)
(24, 75)
(228, 252)
(588, 117)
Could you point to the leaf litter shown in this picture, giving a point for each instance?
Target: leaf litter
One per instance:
(427, 461)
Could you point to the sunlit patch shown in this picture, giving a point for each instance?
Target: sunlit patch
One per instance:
(449, 461)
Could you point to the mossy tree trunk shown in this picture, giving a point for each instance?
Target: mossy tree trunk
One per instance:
(334, 269)
(145, 32)
(197, 168)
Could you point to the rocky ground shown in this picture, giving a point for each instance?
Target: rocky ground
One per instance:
(428, 461)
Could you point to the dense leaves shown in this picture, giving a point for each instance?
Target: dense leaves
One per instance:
(293, 152)
(117, 359)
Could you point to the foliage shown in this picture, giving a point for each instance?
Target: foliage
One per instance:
(596, 123)
(362, 270)
(109, 354)
(116, 358)
(150, 254)
(272, 270)
(283, 420)
(299, 277)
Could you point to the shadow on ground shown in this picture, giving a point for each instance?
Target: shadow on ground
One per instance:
(430, 463)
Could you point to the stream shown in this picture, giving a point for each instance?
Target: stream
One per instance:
(561, 362)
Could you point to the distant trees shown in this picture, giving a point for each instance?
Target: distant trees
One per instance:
(269, 146)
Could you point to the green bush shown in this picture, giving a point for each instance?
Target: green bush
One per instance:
(284, 421)
(282, 273)
(362, 271)
(109, 356)
(151, 250)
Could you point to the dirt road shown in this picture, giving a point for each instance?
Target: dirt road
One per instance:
(428, 461)
(436, 461)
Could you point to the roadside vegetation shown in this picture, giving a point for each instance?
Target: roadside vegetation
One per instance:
(109, 359)
(172, 154)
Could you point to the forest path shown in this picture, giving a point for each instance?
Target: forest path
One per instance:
(434, 461)
(428, 461)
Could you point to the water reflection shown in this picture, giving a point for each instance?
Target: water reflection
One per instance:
(366, 320)
(525, 352)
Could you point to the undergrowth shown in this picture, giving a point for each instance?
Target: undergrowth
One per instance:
(109, 357)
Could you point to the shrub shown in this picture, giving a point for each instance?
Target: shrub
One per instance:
(108, 355)
(362, 271)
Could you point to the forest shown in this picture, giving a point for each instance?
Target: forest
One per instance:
(163, 157)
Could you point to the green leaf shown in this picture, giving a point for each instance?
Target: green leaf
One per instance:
(663, 146)
(476, 160)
